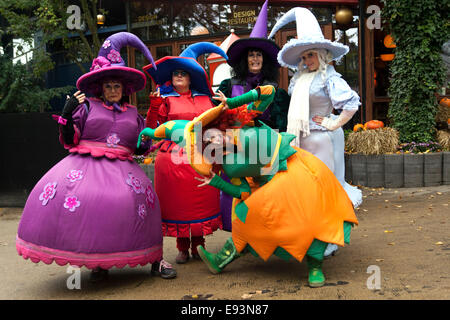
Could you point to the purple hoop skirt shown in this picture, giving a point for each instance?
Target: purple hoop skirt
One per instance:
(93, 212)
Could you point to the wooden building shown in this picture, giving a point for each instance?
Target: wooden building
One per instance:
(169, 26)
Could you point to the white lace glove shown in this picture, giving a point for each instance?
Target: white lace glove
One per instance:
(343, 118)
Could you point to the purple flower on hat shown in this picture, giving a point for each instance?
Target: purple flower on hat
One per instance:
(100, 62)
(71, 203)
(106, 44)
(114, 56)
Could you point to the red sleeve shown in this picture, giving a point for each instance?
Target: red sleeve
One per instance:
(157, 112)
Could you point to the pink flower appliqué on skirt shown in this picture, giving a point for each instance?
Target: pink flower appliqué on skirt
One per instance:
(135, 183)
(71, 203)
(141, 211)
(75, 175)
(48, 193)
(150, 196)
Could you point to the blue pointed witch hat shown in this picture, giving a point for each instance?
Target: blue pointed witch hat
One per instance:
(187, 61)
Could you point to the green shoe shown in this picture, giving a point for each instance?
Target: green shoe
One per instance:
(315, 275)
(217, 262)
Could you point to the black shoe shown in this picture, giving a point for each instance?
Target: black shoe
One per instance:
(98, 274)
(164, 270)
(196, 256)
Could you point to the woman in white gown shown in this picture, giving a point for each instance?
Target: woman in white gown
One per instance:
(316, 89)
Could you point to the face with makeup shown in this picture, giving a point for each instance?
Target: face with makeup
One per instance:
(255, 61)
(310, 60)
(112, 91)
(181, 80)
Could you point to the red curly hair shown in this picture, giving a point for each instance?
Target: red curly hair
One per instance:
(233, 118)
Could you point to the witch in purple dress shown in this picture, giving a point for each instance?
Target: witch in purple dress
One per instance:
(96, 207)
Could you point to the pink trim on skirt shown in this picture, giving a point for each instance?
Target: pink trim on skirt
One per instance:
(100, 149)
(103, 260)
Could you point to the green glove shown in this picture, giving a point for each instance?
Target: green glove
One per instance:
(146, 132)
(228, 188)
(245, 98)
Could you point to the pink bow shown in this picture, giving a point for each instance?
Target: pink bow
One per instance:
(60, 119)
(100, 62)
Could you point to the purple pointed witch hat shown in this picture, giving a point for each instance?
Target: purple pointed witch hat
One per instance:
(110, 65)
(258, 39)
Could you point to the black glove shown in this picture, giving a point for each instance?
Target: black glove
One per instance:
(70, 105)
(67, 130)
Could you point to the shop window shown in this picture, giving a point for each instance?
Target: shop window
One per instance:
(152, 20)
(178, 19)
(163, 51)
(348, 65)
(383, 56)
(142, 96)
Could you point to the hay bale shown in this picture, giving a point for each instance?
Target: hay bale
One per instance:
(443, 114)
(375, 141)
(443, 138)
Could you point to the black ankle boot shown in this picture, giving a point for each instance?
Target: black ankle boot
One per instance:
(164, 270)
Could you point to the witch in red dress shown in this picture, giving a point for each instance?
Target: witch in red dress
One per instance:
(183, 93)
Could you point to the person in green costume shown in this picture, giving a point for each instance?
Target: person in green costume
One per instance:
(286, 201)
(254, 63)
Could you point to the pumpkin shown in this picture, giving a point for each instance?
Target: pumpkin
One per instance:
(148, 160)
(358, 127)
(445, 102)
(374, 124)
(387, 56)
(389, 42)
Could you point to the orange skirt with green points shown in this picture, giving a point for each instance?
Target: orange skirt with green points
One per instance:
(304, 203)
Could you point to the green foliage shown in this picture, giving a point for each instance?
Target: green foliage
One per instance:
(22, 87)
(419, 28)
(346, 133)
(22, 91)
(47, 18)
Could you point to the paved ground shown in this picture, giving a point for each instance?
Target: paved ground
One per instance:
(403, 232)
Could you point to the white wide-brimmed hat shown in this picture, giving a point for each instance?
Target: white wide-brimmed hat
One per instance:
(309, 36)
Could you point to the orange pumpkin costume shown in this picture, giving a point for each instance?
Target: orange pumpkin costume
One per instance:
(309, 204)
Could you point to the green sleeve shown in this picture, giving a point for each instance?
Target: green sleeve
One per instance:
(251, 96)
(231, 189)
(258, 99)
(225, 88)
(280, 108)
